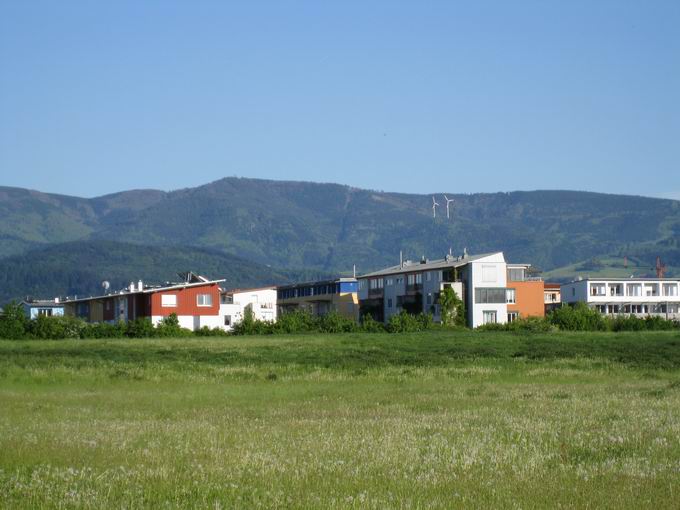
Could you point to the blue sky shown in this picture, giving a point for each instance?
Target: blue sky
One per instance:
(450, 96)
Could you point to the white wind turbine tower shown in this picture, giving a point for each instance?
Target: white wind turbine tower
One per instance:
(448, 201)
(434, 207)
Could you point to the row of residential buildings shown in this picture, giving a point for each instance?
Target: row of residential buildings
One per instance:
(493, 290)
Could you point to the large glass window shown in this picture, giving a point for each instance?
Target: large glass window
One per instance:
(510, 296)
(490, 295)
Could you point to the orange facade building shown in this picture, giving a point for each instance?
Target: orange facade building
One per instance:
(528, 299)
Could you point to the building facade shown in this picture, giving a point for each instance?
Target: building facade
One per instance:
(525, 293)
(493, 291)
(34, 308)
(630, 296)
(196, 302)
(551, 297)
(321, 297)
(234, 304)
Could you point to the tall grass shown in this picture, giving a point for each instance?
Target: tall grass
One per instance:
(427, 420)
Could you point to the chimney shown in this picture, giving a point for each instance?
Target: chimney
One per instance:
(131, 287)
(140, 285)
(56, 299)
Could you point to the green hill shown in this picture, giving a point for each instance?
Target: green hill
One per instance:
(79, 267)
(329, 227)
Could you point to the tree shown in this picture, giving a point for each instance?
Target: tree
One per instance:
(13, 321)
(452, 308)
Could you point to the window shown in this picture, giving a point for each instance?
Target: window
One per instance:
(168, 299)
(429, 298)
(227, 320)
(375, 284)
(601, 308)
(489, 317)
(597, 289)
(47, 312)
(573, 292)
(633, 289)
(204, 300)
(400, 279)
(510, 296)
(490, 295)
(362, 284)
(616, 289)
(489, 274)
(419, 278)
(516, 274)
(512, 316)
(428, 276)
(670, 289)
(390, 281)
(651, 289)
(389, 303)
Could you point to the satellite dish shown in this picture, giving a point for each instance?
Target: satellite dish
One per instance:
(106, 285)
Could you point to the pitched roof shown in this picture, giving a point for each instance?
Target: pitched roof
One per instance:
(146, 290)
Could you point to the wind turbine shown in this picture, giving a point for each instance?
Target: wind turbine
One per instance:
(448, 201)
(434, 207)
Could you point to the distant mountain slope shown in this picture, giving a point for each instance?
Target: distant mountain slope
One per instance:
(79, 268)
(330, 227)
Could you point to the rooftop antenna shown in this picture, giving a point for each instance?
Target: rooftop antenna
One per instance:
(354, 270)
(434, 207)
(401, 258)
(105, 285)
(448, 201)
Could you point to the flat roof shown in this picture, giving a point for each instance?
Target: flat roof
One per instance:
(431, 264)
(43, 302)
(319, 282)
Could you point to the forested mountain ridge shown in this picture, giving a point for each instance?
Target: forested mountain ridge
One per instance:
(330, 227)
(79, 267)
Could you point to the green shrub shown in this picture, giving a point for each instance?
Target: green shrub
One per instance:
(104, 330)
(13, 322)
(404, 322)
(56, 327)
(370, 325)
(579, 317)
(206, 331)
(140, 328)
(333, 322)
(169, 327)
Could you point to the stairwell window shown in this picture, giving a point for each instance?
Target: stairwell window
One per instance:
(168, 300)
(204, 300)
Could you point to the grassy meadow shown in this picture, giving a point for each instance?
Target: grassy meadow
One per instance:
(427, 420)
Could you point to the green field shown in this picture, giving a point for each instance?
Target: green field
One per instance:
(428, 420)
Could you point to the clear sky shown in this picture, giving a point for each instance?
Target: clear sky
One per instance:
(474, 96)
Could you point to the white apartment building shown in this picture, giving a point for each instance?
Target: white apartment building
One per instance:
(234, 303)
(636, 296)
(480, 280)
